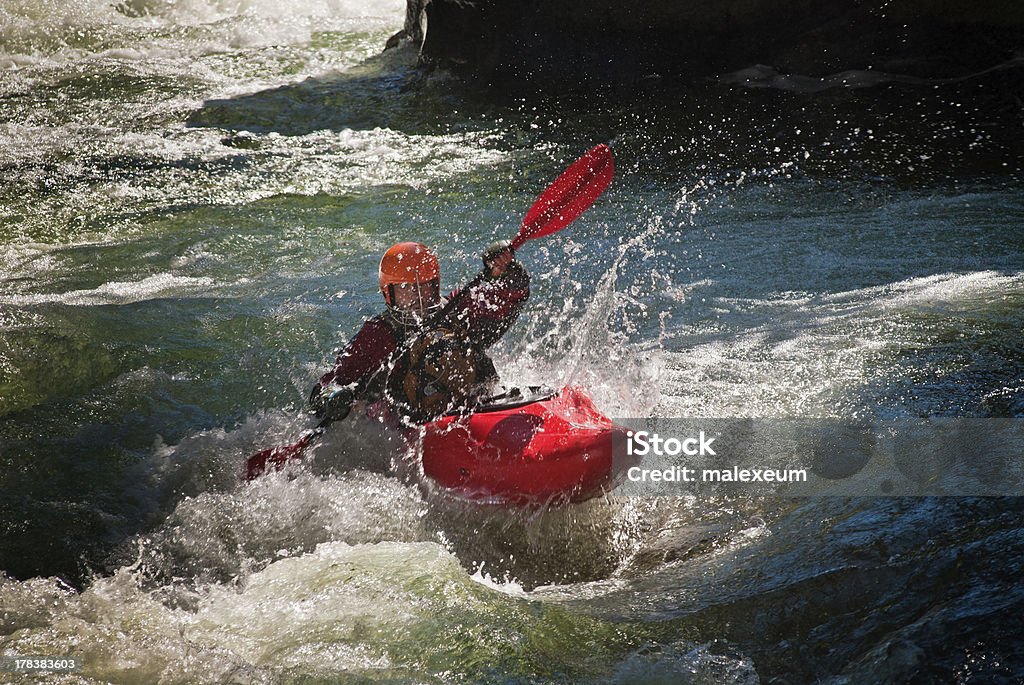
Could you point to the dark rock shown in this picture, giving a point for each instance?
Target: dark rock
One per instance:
(574, 42)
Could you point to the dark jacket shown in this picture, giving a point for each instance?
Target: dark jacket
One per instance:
(487, 312)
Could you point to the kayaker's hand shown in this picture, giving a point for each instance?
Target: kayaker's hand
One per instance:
(332, 402)
(497, 258)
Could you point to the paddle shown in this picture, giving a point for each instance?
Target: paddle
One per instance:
(559, 205)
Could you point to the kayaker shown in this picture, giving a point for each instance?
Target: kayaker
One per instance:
(423, 372)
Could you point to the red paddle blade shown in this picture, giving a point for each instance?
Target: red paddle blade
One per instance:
(275, 457)
(569, 195)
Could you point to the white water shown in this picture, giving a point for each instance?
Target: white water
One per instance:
(34, 31)
(197, 195)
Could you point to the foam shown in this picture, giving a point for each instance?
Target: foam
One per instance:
(813, 356)
(61, 31)
(948, 290)
(121, 292)
(323, 161)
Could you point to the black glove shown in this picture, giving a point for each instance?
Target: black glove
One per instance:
(493, 251)
(515, 275)
(333, 402)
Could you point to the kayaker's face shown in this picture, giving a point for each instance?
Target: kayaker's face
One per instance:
(417, 297)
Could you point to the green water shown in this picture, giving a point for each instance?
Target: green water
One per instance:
(194, 203)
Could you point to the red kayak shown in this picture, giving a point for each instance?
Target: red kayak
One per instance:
(535, 448)
(546, 448)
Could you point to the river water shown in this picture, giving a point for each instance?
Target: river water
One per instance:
(195, 197)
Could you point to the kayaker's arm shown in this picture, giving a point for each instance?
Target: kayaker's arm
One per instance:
(494, 304)
(360, 359)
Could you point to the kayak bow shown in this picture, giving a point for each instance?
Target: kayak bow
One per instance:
(554, 449)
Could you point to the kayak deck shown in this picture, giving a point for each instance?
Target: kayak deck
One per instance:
(554, 449)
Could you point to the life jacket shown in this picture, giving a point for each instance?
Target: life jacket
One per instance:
(435, 371)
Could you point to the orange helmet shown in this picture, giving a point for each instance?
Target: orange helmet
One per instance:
(407, 263)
